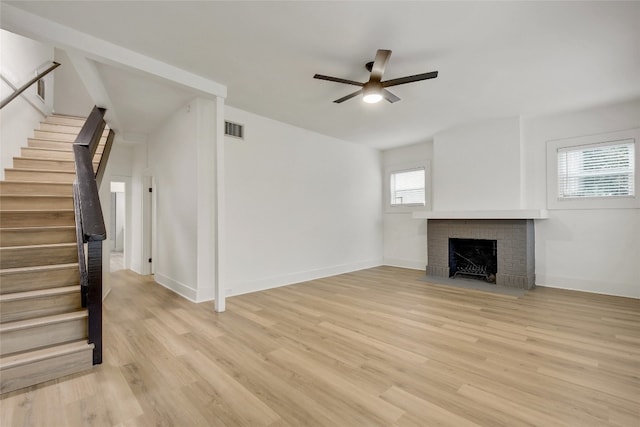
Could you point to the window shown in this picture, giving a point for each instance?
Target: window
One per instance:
(596, 170)
(408, 187)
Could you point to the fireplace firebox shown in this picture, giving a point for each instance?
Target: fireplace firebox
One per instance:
(473, 258)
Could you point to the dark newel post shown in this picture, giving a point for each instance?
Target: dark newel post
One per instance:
(95, 298)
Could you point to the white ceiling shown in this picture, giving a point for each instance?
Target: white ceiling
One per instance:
(495, 59)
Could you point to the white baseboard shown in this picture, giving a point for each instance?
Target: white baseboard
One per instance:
(603, 287)
(177, 287)
(239, 287)
(406, 263)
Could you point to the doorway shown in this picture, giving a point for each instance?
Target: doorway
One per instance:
(117, 225)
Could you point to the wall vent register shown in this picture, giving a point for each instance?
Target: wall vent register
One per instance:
(234, 129)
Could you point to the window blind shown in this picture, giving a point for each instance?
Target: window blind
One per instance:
(596, 170)
(407, 187)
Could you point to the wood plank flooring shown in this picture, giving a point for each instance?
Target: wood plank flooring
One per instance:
(376, 347)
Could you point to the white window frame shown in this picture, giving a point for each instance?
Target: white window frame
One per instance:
(554, 201)
(405, 167)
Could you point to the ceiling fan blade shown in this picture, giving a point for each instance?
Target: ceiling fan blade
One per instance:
(345, 98)
(379, 64)
(410, 79)
(389, 96)
(337, 80)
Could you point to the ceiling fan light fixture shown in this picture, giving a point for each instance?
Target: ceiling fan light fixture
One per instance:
(371, 94)
(372, 98)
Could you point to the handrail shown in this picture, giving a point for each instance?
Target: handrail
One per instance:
(102, 166)
(84, 148)
(25, 86)
(90, 228)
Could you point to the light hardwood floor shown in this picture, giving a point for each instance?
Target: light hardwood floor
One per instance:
(371, 348)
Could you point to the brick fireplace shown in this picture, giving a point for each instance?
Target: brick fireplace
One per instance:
(515, 247)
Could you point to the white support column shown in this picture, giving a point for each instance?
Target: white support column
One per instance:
(210, 196)
(220, 291)
(205, 110)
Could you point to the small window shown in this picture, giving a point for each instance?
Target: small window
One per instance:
(596, 170)
(40, 89)
(408, 187)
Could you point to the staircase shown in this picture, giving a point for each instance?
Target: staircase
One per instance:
(43, 327)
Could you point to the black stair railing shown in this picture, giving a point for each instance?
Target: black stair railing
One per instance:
(26, 86)
(90, 228)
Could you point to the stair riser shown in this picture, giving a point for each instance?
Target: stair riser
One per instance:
(36, 188)
(58, 165)
(35, 202)
(65, 128)
(27, 175)
(9, 219)
(54, 136)
(56, 143)
(14, 257)
(65, 120)
(43, 335)
(41, 153)
(30, 308)
(25, 281)
(46, 154)
(36, 236)
(59, 136)
(35, 373)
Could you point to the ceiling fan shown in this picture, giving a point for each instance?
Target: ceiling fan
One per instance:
(375, 89)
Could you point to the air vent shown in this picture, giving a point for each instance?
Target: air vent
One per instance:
(234, 129)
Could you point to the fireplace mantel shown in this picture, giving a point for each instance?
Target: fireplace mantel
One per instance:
(504, 214)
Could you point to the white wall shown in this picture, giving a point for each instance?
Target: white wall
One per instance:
(119, 167)
(71, 96)
(404, 237)
(20, 58)
(173, 162)
(477, 167)
(139, 168)
(596, 250)
(299, 205)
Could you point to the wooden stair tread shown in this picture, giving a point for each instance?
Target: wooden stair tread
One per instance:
(49, 245)
(41, 321)
(61, 150)
(43, 228)
(39, 170)
(35, 138)
(53, 267)
(64, 150)
(27, 357)
(35, 196)
(9, 187)
(41, 159)
(15, 296)
(67, 116)
(75, 127)
(9, 181)
(35, 210)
